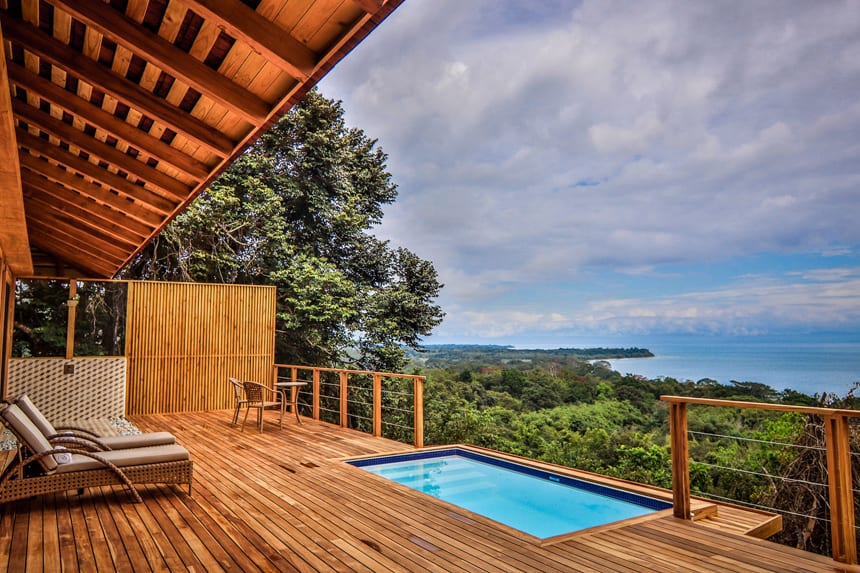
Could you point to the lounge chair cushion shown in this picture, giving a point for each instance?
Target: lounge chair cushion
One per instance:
(33, 438)
(113, 442)
(23, 401)
(138, 440)
(127, 457)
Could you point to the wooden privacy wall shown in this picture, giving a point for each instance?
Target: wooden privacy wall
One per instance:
(183, 340)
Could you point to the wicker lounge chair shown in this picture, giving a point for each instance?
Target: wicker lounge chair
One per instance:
(77, 436)
(239, 394)
(37, 469)
(258, 397)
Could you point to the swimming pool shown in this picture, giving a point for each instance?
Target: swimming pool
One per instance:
(534, 501)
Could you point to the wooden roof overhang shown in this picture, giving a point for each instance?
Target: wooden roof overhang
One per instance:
(115, 115)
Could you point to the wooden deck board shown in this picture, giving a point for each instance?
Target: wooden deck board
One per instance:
(281, 501)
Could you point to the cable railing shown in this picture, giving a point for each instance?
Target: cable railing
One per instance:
(839, 486)
(372, 402)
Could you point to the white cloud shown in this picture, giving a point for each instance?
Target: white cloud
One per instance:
(637, 138)
(538, 142)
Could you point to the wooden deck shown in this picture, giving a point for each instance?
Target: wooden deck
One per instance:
(281, 501)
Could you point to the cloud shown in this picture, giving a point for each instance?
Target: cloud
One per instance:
(537, 142)
(823, 298)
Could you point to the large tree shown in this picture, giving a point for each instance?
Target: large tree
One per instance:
(296, 211)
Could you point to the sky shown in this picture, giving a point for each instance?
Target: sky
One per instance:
(593, 169)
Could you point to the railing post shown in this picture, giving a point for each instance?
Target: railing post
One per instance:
(316, 397)
(680, 460)
(418, 425)
(841, 496)
(377, 404)
(344, 402)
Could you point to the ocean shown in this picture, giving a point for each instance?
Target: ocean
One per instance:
(806, 365)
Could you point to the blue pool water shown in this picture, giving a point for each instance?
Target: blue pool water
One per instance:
(534, 501)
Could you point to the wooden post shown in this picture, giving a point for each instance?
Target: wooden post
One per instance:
(840, 482)
(70, 328)
(316, 397)
(377, 404)
(8, 312)
(344, 403)
(680, 460)
(418, 398)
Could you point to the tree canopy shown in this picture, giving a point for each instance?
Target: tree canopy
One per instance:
(296, 211)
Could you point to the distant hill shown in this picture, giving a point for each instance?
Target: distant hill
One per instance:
(458, 355)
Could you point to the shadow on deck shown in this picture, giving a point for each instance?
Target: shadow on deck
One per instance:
(281, 501)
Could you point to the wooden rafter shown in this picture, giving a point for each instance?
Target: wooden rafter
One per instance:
(116, 127)
(83, 218)
(41, 188)
(82, 257)
(262, 35)
(144, 212)
(78, 65)
(92, 146)
(370, 6)
(84, 234)
(50, 229)
(114, 116)
(166, 56)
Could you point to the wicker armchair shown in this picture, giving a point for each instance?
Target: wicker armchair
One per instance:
(262, 398)
(239, 395)
(41, 468)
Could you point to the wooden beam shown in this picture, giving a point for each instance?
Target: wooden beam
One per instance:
(177, 190)
(143, 199)
(60, 197)
(100, 119)
(132, 95)
(137, 208)
(377, 404)
(84, 235)
(842, 534)
(81, 257)
(263, 36)
(680, 460)
(70, 323)
(80, 219)
(316, 397)
(14, 244)
(369, 6)
(154, 49)
(69, 249)
(344, 399)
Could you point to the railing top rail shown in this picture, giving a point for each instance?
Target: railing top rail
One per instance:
(325, 369)
(762, 406)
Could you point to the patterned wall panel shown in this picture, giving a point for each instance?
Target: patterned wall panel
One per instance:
(71, 389)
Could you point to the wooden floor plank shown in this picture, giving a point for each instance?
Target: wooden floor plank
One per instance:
(282, 500)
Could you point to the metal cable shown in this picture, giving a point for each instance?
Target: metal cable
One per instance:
(398, 426)
(755, 440)
(757, 506)
(771, 476)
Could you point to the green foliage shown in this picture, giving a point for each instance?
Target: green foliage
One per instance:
(41, 318)
(295, 211)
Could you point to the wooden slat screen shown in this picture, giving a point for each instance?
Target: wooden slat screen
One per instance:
(185, 339)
